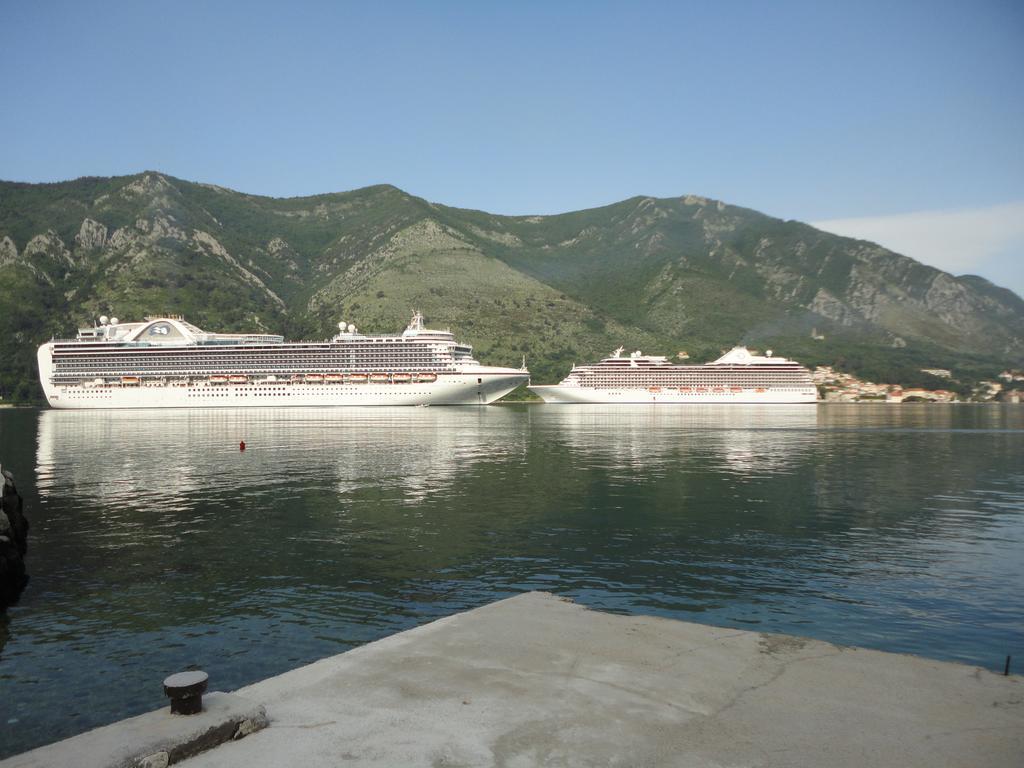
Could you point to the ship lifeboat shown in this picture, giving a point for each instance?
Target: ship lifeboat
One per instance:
(759, 390)
(401, 378)
(314, 378)
(130, 381)
(736, 389)
(218, 379)
(701, 389)
(684, 389)
(378, 378)
(298, 378)
(426, 378)
(718, 389)
(238, 379)
(356, 378)
(333, 378)
(654, 389)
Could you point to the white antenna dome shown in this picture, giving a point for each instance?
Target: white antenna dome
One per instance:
(768, 353)
(351, 328)
(113, 321)
(342, 326)
(104, 319)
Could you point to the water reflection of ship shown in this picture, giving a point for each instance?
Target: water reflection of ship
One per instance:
(743, 438)
(129, 456)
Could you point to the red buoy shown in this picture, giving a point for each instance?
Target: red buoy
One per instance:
(241, 446)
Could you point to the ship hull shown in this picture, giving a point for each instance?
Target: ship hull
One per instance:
(633, 396)
(445, 391)
(479, 386)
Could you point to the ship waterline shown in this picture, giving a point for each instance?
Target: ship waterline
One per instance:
(739, 376)
(165, 362)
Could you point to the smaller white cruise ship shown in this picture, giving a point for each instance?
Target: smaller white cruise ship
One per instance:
(738, 376)
(166, 362)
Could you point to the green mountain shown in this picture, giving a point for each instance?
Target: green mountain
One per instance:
(664, 275)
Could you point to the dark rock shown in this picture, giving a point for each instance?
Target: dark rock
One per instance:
(13, 542)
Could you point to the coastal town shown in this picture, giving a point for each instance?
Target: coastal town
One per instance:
(836, 386)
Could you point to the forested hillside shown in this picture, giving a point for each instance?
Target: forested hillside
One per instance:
(663, 275)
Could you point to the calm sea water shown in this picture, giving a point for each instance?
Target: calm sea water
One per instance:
(156, 545)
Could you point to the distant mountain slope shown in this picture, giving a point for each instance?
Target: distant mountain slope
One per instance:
(665, 275)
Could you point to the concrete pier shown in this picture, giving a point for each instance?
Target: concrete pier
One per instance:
(153, 740)
(536, 680)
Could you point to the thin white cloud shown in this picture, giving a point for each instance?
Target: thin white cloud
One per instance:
(985, 241)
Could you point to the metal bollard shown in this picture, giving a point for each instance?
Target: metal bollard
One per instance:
(185, 690)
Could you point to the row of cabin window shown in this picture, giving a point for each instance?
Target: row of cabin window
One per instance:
(249, 359)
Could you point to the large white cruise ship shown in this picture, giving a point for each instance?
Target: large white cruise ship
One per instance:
(165, 362)
(738, 376)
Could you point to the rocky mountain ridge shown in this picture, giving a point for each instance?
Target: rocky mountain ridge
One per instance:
(666, 275)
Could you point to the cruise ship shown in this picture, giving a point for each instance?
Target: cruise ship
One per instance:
(738, 376)
(166, 362)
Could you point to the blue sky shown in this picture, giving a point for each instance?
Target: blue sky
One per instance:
(890, 117)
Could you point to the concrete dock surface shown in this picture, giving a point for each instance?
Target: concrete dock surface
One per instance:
(536, 680)
(152, 740)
